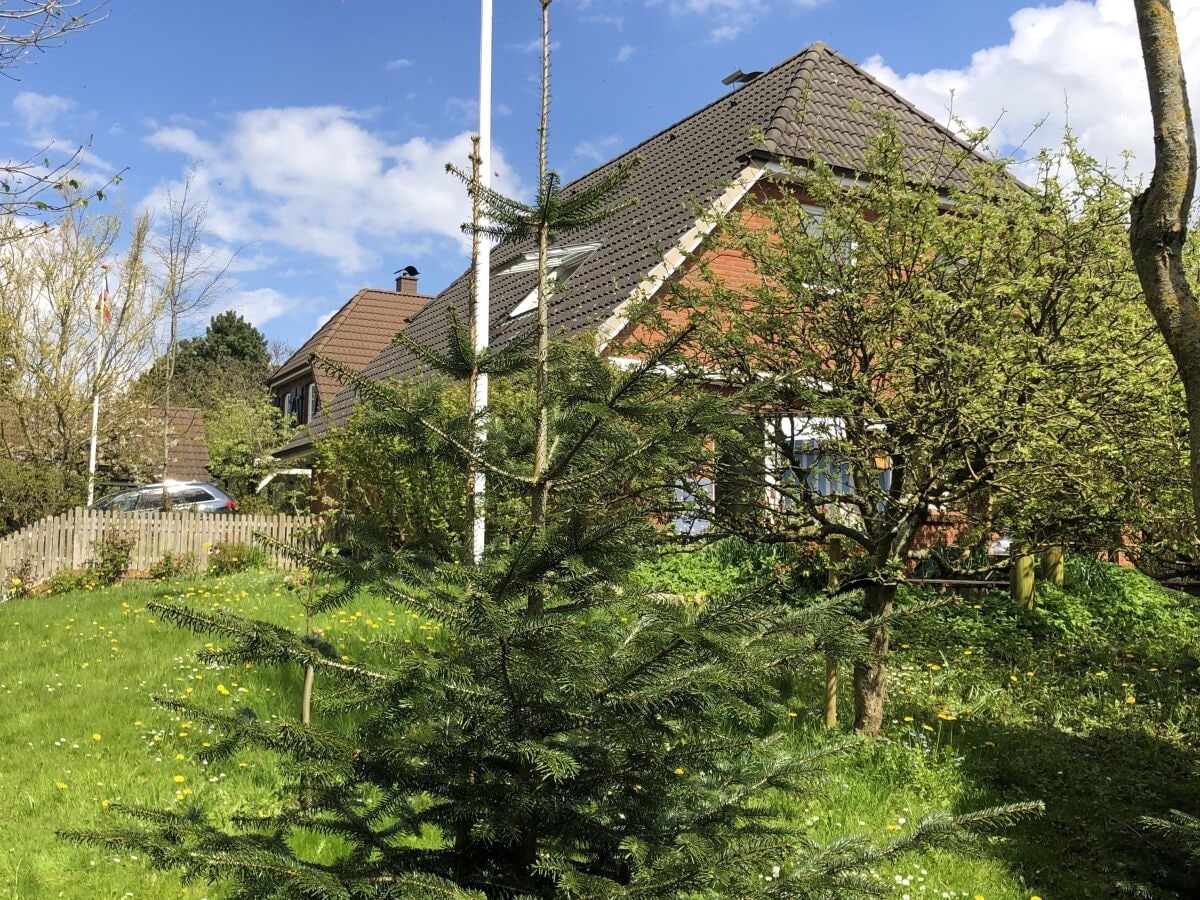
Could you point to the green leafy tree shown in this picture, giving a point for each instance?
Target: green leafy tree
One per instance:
(241, 431)
(917, 352)
(231, 357)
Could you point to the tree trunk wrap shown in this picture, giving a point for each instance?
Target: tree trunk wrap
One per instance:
(870, 675)
(1021, 579)
(1052, 565)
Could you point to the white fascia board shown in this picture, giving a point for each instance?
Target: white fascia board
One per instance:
(677, 255)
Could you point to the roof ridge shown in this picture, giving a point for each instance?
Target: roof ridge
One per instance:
(904, 101)
(695, 112)
(773, 133)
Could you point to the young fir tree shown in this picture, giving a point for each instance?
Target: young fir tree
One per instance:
(571, 734)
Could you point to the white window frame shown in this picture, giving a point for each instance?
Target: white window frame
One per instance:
(562, 263)
(311, 402)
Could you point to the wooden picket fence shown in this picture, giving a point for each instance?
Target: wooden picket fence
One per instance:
(65, 541)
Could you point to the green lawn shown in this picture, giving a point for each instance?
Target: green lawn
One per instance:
(1091, 706)
(78, 730)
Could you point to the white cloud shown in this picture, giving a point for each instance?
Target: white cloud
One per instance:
(325, 317)
(730, 17)
(1075, 60)
(599, 150)
(39, 112)
(394, 64)
(260, 305)
(320, 181)
(534, 45)
(625, 52)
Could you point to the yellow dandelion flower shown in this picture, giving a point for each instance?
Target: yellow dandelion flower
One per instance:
(61, 785)
(95, 735)
(908, 718)
(222, 690)
(179, 779)
(679, 771)
(1131, 699)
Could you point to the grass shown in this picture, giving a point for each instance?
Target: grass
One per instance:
(79, 731)
(1090, 705)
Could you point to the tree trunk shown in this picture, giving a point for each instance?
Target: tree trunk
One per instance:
(870, 675)
(831, 666)
(306, 696)
(541, 450)
(1021, 579)
(1052, 565)
(1158, 217)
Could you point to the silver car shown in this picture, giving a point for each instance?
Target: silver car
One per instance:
(196, 496)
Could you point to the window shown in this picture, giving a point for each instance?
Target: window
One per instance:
(562, 263)
(693, 498)
(190, 495)
(150, 499)
(311, 410)
(123, 502)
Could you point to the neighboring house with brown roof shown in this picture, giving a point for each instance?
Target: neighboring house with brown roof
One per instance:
(187, 453)
(353, 336)
(817, 105)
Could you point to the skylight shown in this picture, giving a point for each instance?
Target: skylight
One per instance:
(562, 263)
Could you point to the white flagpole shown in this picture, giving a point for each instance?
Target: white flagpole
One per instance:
(483, 260)
(101, 305)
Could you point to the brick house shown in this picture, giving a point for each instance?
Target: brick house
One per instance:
(353, 336)
(817, 105)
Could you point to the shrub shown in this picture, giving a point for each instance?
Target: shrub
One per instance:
(173, 565)
(29, 491)
(68, 581)
(17, 581)
(230, 557)
(113, 553)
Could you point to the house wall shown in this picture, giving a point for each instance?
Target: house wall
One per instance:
(737, 271)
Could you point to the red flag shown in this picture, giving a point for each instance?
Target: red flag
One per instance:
(103, 307)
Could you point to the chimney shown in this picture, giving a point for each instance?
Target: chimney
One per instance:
(406, 280)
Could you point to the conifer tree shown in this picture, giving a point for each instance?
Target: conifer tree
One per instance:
(572, 734)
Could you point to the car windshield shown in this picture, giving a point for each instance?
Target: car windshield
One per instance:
(123, 501)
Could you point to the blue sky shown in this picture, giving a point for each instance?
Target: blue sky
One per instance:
(318, 129)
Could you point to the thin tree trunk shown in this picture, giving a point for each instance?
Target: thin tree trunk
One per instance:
(541, 449)
(870, 674)
(306, 697)
(831, 664)
(1159, 216)
(166, 436)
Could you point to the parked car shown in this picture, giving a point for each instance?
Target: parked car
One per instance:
(197, 496)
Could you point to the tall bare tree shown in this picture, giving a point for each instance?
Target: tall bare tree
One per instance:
(35, 185)
(72, 340)
(191, 277)
(1159, 215)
